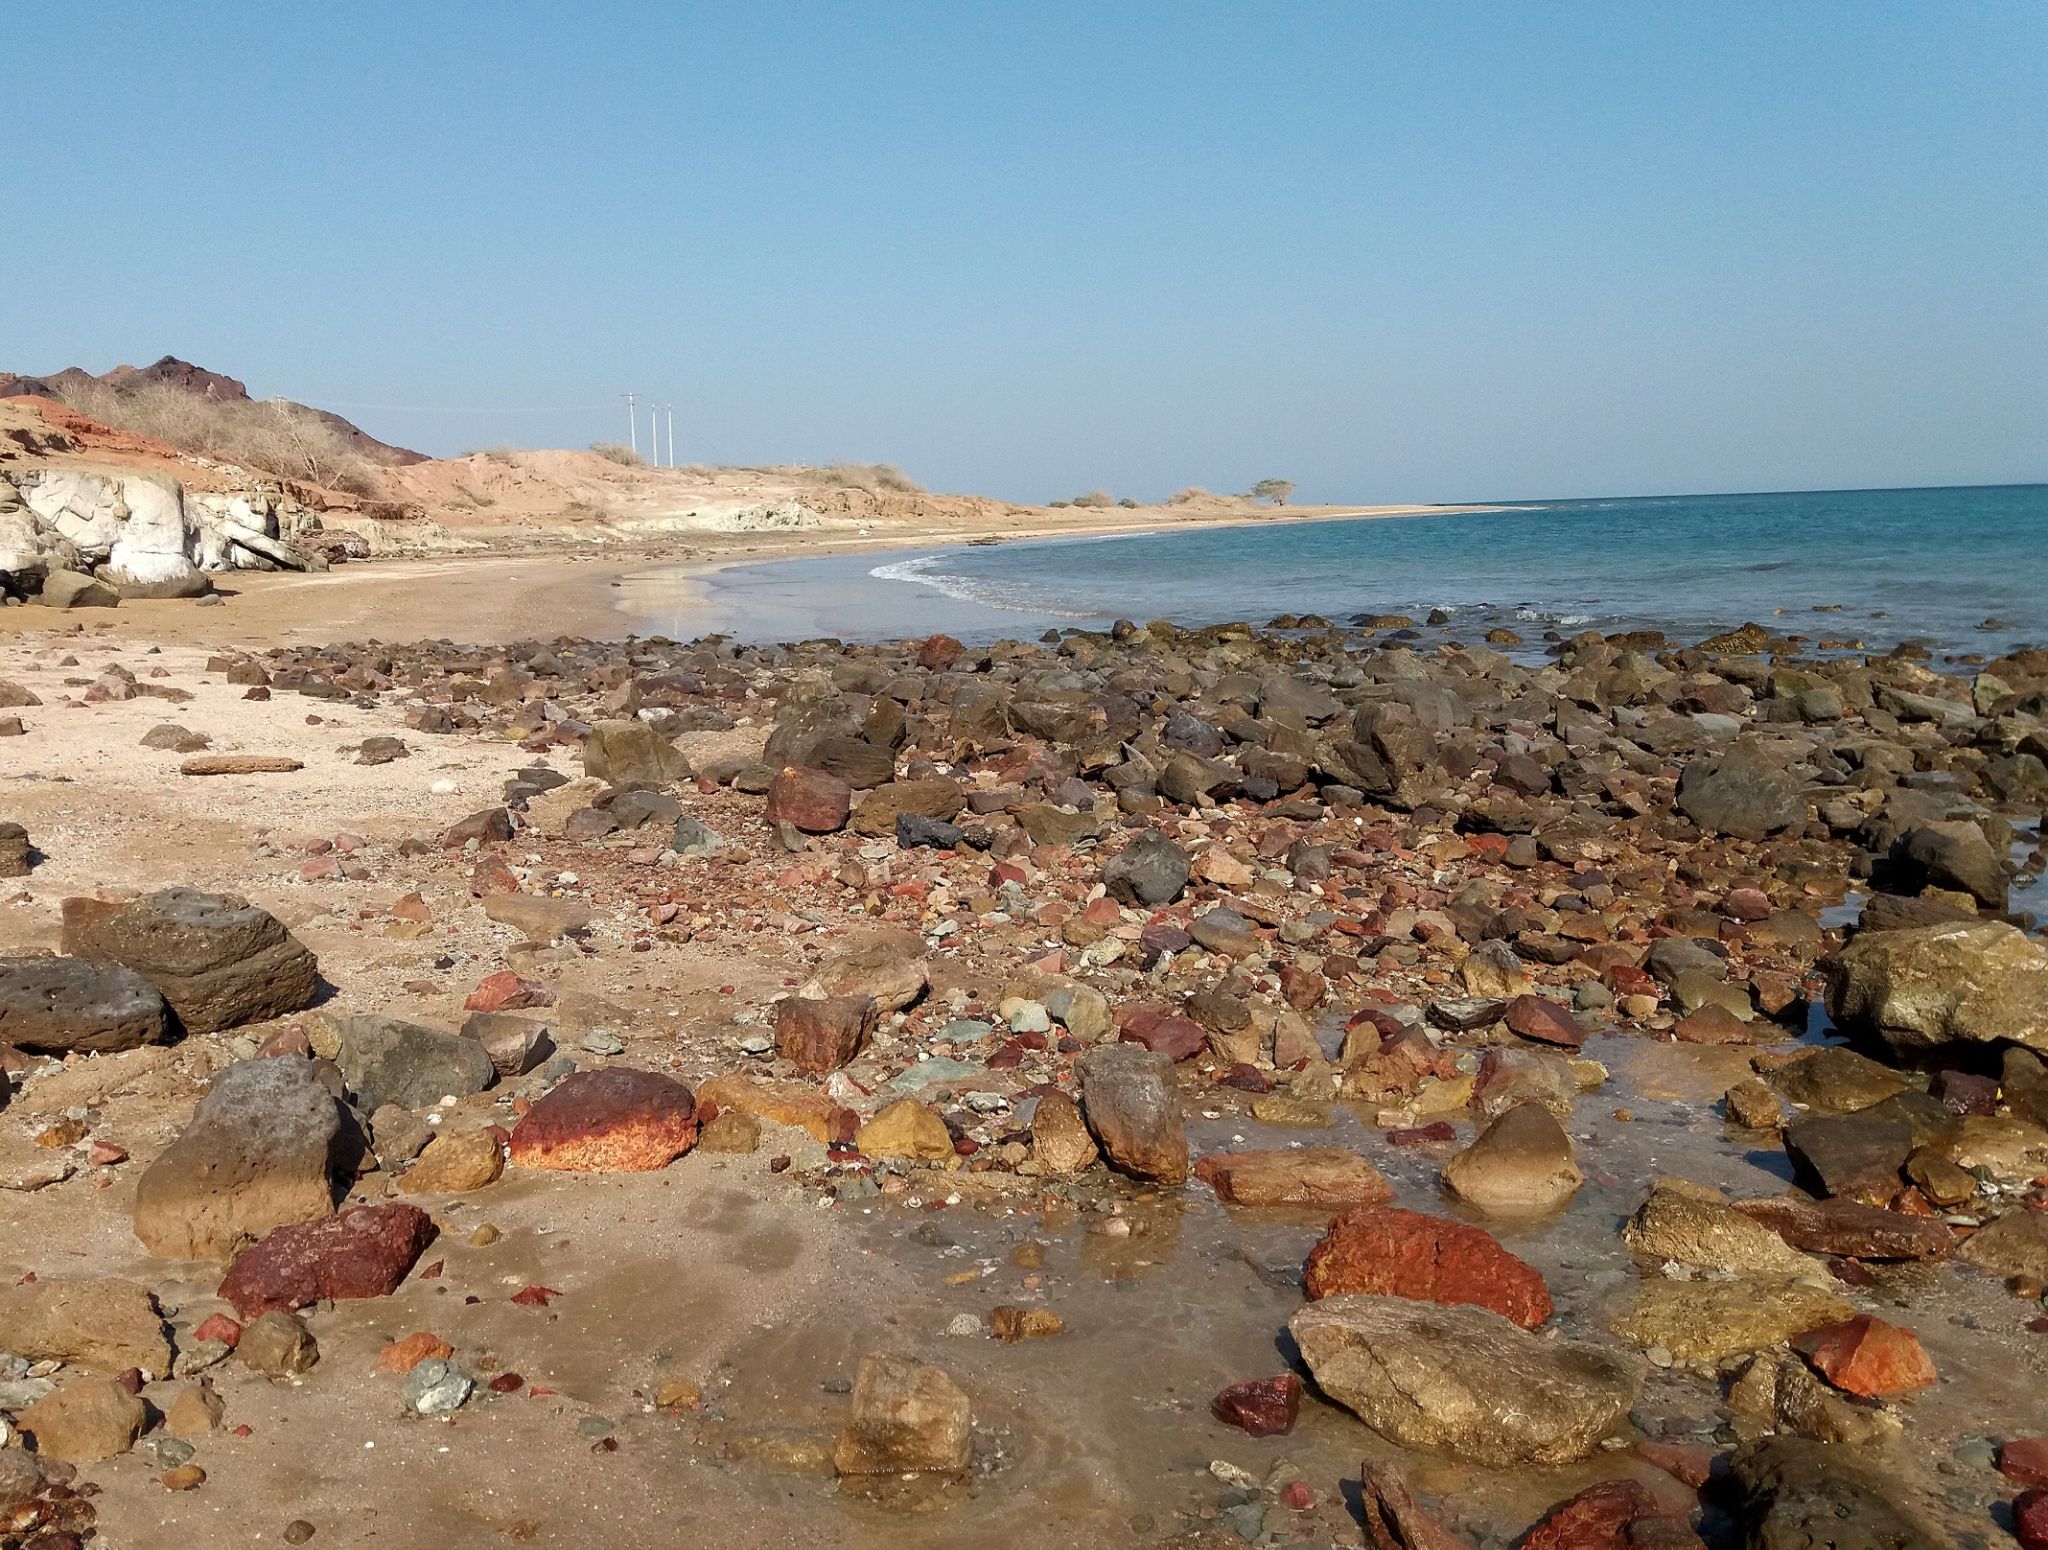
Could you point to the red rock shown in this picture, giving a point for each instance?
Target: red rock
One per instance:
(819, 1034)
(1264, 1407)
(618, 1120)
(1627, 980)
(506, 991)
(1180, 1038)
(1613, 1515)
(812, 800)
(535, 1296)
(1394, 1520)
(493, 875)
(104, 1154)
(2030, 1519)
(1964, 1092)
(361, 1251)
(1867, 1356)
(1746, 904)
(1296, 1496)
(939, 653)
(1535, 1017)
(2025, 1459)
(1302, 988)
(218, 1326)
(507, 1383)
(1692, 1463)
(1389, 1252)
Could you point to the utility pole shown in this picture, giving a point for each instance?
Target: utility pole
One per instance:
(671, 408)
(632, 424)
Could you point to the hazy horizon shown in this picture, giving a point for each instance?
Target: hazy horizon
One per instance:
(1394, 255)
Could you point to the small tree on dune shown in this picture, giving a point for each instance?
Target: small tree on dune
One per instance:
(1274, 490)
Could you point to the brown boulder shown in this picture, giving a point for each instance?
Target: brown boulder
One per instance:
(819, 1034)
(85, 1420)
(104, 1324)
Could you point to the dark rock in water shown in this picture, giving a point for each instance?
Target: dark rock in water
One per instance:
(59, 1006)
(1954, 856)
(1151, 870)
(1536, 1017)
(819, 1034)
(1394, 1520)
(1611, 1515)
(1742, 792)
(219, 960)
(263, 1149)
(1853, 1231)
(1797, 1494)
(1263, 1407)
(2024, 1081)
(364, 1251)
(1851, 1156)
(1837, 1080)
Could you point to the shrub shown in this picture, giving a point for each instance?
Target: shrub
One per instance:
(1128, 504)
(1274, 490)
(1058, 505)
(872, 477)
(618, 452)
(271, 436)
(1188, 496)
(1095, 498)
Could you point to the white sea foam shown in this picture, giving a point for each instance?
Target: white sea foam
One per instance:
(978, 590)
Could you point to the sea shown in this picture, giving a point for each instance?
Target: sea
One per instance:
(1959, 570)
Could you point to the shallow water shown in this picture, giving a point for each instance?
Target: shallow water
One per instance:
(1886, 565)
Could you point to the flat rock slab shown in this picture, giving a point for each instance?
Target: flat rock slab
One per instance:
(1704, 1321)
(103, 1324)
(263, 1148)
(1850, 1230)
(1465, 1381)
(1317, 1177)
(240, 764)
(1388, 1252)
(363, 1251)
(61, 1006)
(613, 1121)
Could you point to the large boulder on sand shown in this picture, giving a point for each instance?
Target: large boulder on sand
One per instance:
(632, 753)
(1465, 1381)
(1133, 1110)
(218, 959)
(263, 1148)
(1921, 988)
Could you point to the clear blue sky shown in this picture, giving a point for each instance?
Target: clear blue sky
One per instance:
(1393, 251)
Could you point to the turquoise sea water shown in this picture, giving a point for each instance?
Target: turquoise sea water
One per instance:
(1888, 565)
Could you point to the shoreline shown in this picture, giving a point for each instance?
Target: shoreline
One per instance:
(493, 596)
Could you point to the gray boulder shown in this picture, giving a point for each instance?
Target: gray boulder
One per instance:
(219, 960)
(1742, 792)
(62, 1006)
(387, 1061)
(1151, 870)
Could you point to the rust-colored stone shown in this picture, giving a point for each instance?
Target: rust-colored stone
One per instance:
(1385, 1251)
(617, 1120)
(362, 1251)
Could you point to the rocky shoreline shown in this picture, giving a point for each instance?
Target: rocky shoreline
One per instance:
(998, 976)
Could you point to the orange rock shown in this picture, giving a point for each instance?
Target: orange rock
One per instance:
(780, 1103)
(1867, 1356)
(419, 1346)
